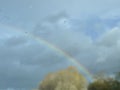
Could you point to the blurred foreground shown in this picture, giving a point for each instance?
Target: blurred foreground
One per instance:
(71, 79)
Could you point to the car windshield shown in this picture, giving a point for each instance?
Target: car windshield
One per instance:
(38, 37)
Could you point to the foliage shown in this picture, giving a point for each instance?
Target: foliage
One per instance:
(117, 77)
(68, 79)
(105, 84)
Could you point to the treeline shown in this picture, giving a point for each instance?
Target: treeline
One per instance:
(71, 79)
(107, 83)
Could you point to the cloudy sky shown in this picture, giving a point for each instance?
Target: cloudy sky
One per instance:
(87, 30)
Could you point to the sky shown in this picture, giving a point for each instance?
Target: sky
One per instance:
(87, 30)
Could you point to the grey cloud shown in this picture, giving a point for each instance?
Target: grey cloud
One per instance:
(35, 10)
(25, 66)
(55, 18)
(19, 68)
(15, 41)
(30, 62)
(73, 41)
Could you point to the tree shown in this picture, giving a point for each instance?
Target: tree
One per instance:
(117, 77)
(105, 84)
(68, 79)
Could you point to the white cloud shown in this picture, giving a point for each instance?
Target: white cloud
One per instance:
(111, 37)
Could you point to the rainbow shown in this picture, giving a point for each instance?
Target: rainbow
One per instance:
(40, 40)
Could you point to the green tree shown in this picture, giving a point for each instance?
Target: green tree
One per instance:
(105, 84)
(68, 79)
(117, 77)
